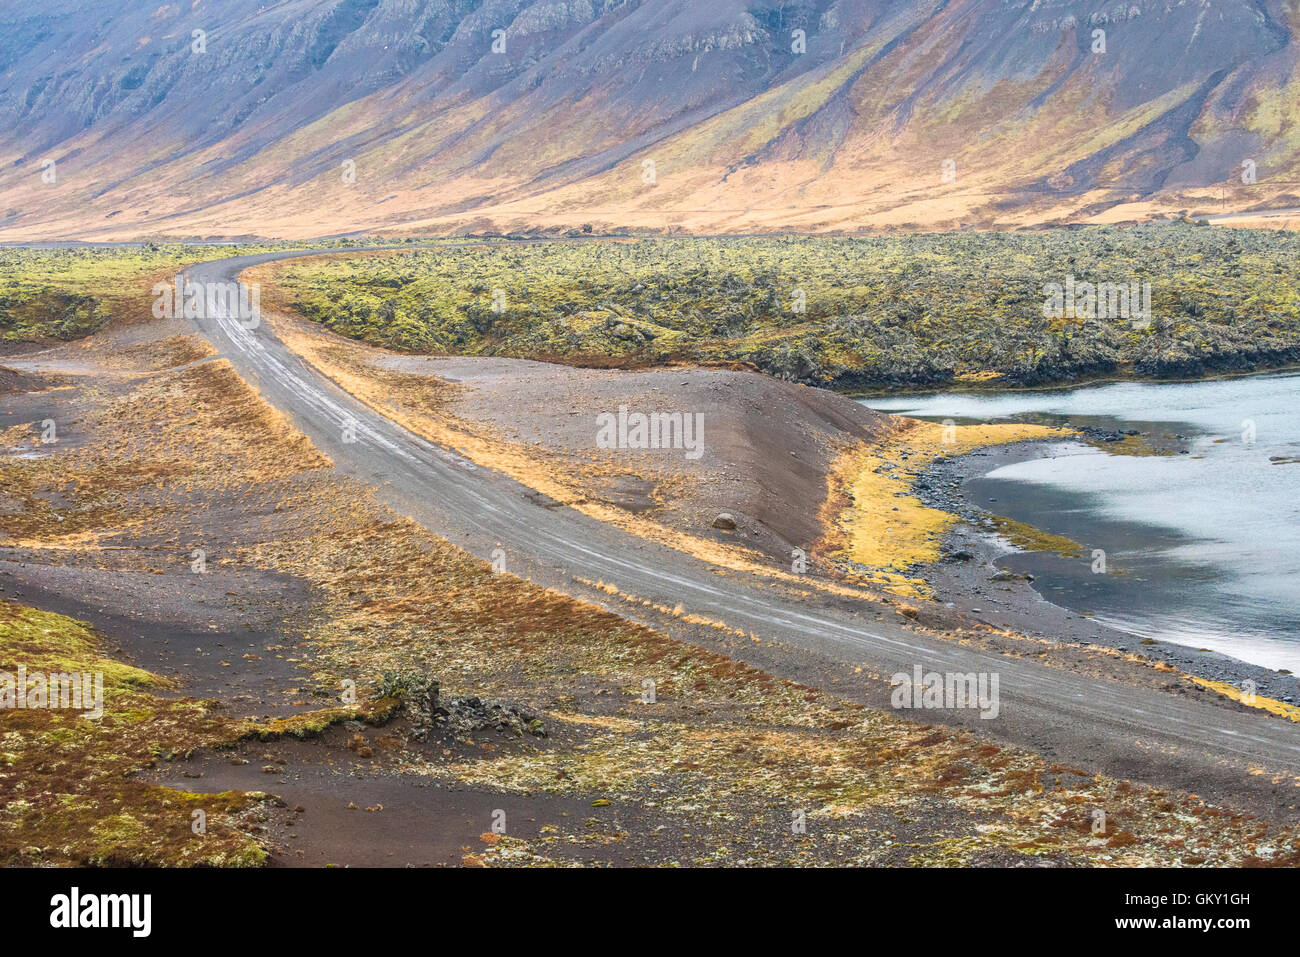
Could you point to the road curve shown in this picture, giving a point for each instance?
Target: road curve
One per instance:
(1248, 760)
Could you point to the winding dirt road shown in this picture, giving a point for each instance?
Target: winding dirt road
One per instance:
(1244, 759)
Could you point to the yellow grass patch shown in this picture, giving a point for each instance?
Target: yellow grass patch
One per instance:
(884, 527)
(1271, 705)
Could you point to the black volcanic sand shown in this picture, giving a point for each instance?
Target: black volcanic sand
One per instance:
(217, 633)
(967, 585)
(341, 809)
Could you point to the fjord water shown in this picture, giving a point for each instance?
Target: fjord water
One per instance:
(1202, 548)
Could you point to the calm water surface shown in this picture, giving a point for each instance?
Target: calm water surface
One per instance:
(1202, 548)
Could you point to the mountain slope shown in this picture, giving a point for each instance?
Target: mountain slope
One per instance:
(728, 115)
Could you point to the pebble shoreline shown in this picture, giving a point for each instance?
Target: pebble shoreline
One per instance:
(968, 583)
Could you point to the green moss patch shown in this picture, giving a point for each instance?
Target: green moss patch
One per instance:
(854, 312)
(65, 785)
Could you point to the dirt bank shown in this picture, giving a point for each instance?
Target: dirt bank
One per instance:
(765, 447)
(13, 380)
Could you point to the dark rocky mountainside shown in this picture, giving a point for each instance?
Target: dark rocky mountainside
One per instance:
(303, 117)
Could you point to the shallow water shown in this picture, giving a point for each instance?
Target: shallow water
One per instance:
(1203, 548)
